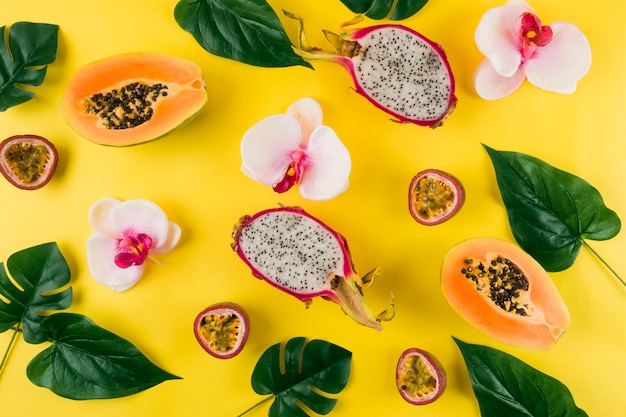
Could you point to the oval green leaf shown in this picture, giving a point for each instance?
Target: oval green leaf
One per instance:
(505, 386)
(550, 211)
(380, 9)
(247, 31)
(40, 273)
(302, 371)
(25, 52)
(86, 361)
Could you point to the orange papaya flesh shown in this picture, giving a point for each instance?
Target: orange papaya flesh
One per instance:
(133, 98)
(503, 292)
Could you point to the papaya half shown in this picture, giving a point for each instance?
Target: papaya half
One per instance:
(133, 98)
(505, 293)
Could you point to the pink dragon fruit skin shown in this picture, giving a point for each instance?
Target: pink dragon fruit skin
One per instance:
(396, 68)
(300, 255)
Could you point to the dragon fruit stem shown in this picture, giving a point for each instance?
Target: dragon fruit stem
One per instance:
(350, 298)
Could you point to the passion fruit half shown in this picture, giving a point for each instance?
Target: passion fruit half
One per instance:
(222, 329)
(420, 377)
(435, 196)
(28, 161)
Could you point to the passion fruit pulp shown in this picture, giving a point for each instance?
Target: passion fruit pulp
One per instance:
(28, 161)
(222, 329)
(435, 196)
(420, 377)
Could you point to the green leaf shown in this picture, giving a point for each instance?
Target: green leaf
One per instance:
(247, 31)
(550, 211)
(380, 9)
(302, 371)
(38, 274)
(507, 387)
(86, 361)
(24, 55)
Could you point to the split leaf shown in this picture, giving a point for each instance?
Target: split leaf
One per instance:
(86, 361)
(25, 51)
(505, 386)
(38, 275)
(380, 9)
(551, 212)
(247, 31)
(304, 372)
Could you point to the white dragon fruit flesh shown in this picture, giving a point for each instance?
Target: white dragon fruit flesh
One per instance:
(399, 70)
(301, 256)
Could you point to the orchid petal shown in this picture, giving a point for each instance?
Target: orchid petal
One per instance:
(267, 146)
(100, 220)
(492, 86)
(521, 3)
(173, 237)
(497, 37)
(328, 166)
(308, 113)
(141, 216)
(563, 62)
(101, 251)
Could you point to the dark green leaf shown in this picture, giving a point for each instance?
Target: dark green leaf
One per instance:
(38, 273)
(86, 361)
(380, 9)
(550, 211)
(309, 369)
(507, 387)
(24, 54)
(243, 30)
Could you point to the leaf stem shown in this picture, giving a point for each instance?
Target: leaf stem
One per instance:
(604, 263)
(16, 330)
(256, 405)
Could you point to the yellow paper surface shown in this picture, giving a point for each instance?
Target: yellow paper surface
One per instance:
(194, 175)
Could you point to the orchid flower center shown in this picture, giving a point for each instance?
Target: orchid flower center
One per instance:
(533, 35)
(132, 249)
(293, 175)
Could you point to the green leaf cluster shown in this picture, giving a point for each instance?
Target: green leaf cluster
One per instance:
(301, 372)
(551, 212)
(508, 387)
(249, 31)
(381, 9)
(26, 51)
(84, 361)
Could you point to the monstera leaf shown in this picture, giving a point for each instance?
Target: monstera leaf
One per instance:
(26, 51)
(380, 9)
(38, 275)
(508, 387)
(86, 361)
(551, 212)
(301, 371)
(247, 31)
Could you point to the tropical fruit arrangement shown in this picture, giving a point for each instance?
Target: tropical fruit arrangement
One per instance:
(498, 289)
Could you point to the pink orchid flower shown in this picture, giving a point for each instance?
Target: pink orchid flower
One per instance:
(127, 234)
(519, 47)
(296, 149)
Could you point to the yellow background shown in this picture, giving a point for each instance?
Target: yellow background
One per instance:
(194, 175)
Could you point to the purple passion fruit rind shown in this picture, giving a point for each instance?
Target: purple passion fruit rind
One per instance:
(222, 329)
(420, 377)
(28, 161)
(435, 196)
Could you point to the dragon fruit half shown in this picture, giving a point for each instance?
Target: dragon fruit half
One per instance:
(399, 70)
(301, 256)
